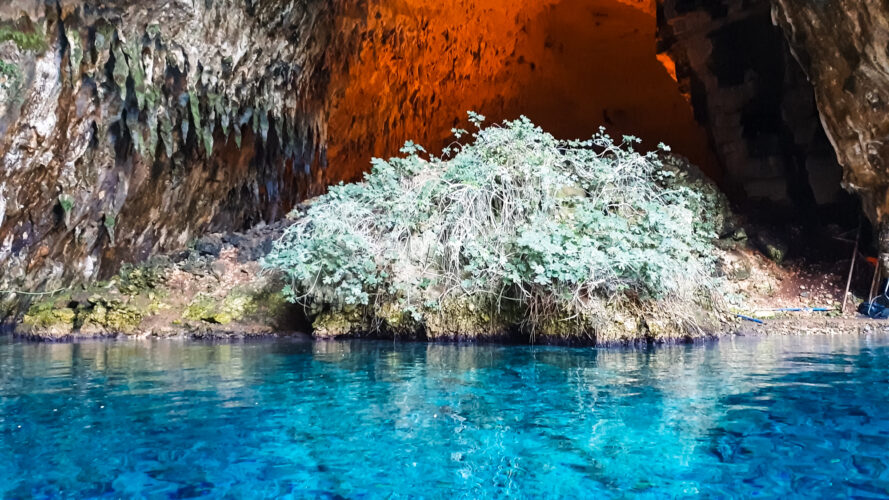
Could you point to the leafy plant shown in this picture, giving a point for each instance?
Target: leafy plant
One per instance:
(11, 81)
(530, 229)
(66, 202)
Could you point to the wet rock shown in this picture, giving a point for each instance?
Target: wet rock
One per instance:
(772, 246)
(210, 245)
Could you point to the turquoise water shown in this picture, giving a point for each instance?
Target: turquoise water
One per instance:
(779, 417)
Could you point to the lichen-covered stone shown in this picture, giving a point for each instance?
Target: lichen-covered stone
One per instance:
(335, 324)
(109, 316)
(47, 315)
(221, 311)
(47, 321)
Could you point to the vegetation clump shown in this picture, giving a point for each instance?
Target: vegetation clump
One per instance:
(47, 315)
(514, 231)
(25, 39)
(109, 315)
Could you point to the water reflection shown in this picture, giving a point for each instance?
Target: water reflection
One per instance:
(782, 416)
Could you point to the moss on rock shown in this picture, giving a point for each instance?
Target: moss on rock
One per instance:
(235, 306)
(102, 314)
(462, 318)
(47, 315)
(334, 324)
(97, 316)
(133, 280)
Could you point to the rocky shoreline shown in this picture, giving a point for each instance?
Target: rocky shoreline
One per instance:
(247, 330)
(214, 289)
(217, 289)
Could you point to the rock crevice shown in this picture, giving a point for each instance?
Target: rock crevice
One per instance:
(843, 46)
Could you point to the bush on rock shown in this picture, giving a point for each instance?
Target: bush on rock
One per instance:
(511, 232)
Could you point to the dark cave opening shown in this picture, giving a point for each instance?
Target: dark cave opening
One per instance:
(716, 82)
(758, 107)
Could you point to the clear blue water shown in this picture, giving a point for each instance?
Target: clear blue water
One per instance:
(777, 417)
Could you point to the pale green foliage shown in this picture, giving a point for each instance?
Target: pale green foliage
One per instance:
(513, 219)
(11, 83)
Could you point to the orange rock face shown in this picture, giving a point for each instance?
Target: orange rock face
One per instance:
(130, 129)
(572, 66)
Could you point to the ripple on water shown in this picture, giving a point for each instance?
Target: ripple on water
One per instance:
(783, 416)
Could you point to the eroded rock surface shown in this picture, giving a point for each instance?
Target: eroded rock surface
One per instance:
(753, 99)
(569, 65)
(216, 288)
(133, 127)
(130, 127)
(842, 45)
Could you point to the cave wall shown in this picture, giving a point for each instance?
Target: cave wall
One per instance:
(128, 127)
(843, 45)
(754, 100)
(570, 65)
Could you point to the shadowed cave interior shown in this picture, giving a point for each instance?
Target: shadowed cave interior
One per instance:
(717, 84)
(309, 105)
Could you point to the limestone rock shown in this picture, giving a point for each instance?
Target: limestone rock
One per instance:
(842, 45)
(130, 127)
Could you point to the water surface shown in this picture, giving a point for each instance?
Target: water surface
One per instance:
(776, 417)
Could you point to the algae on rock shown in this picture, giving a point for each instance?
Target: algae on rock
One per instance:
(212, 290)
(62, 316)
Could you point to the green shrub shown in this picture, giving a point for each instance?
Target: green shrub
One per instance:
(515, 227)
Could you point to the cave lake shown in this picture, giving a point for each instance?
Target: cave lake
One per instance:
(739, 418)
